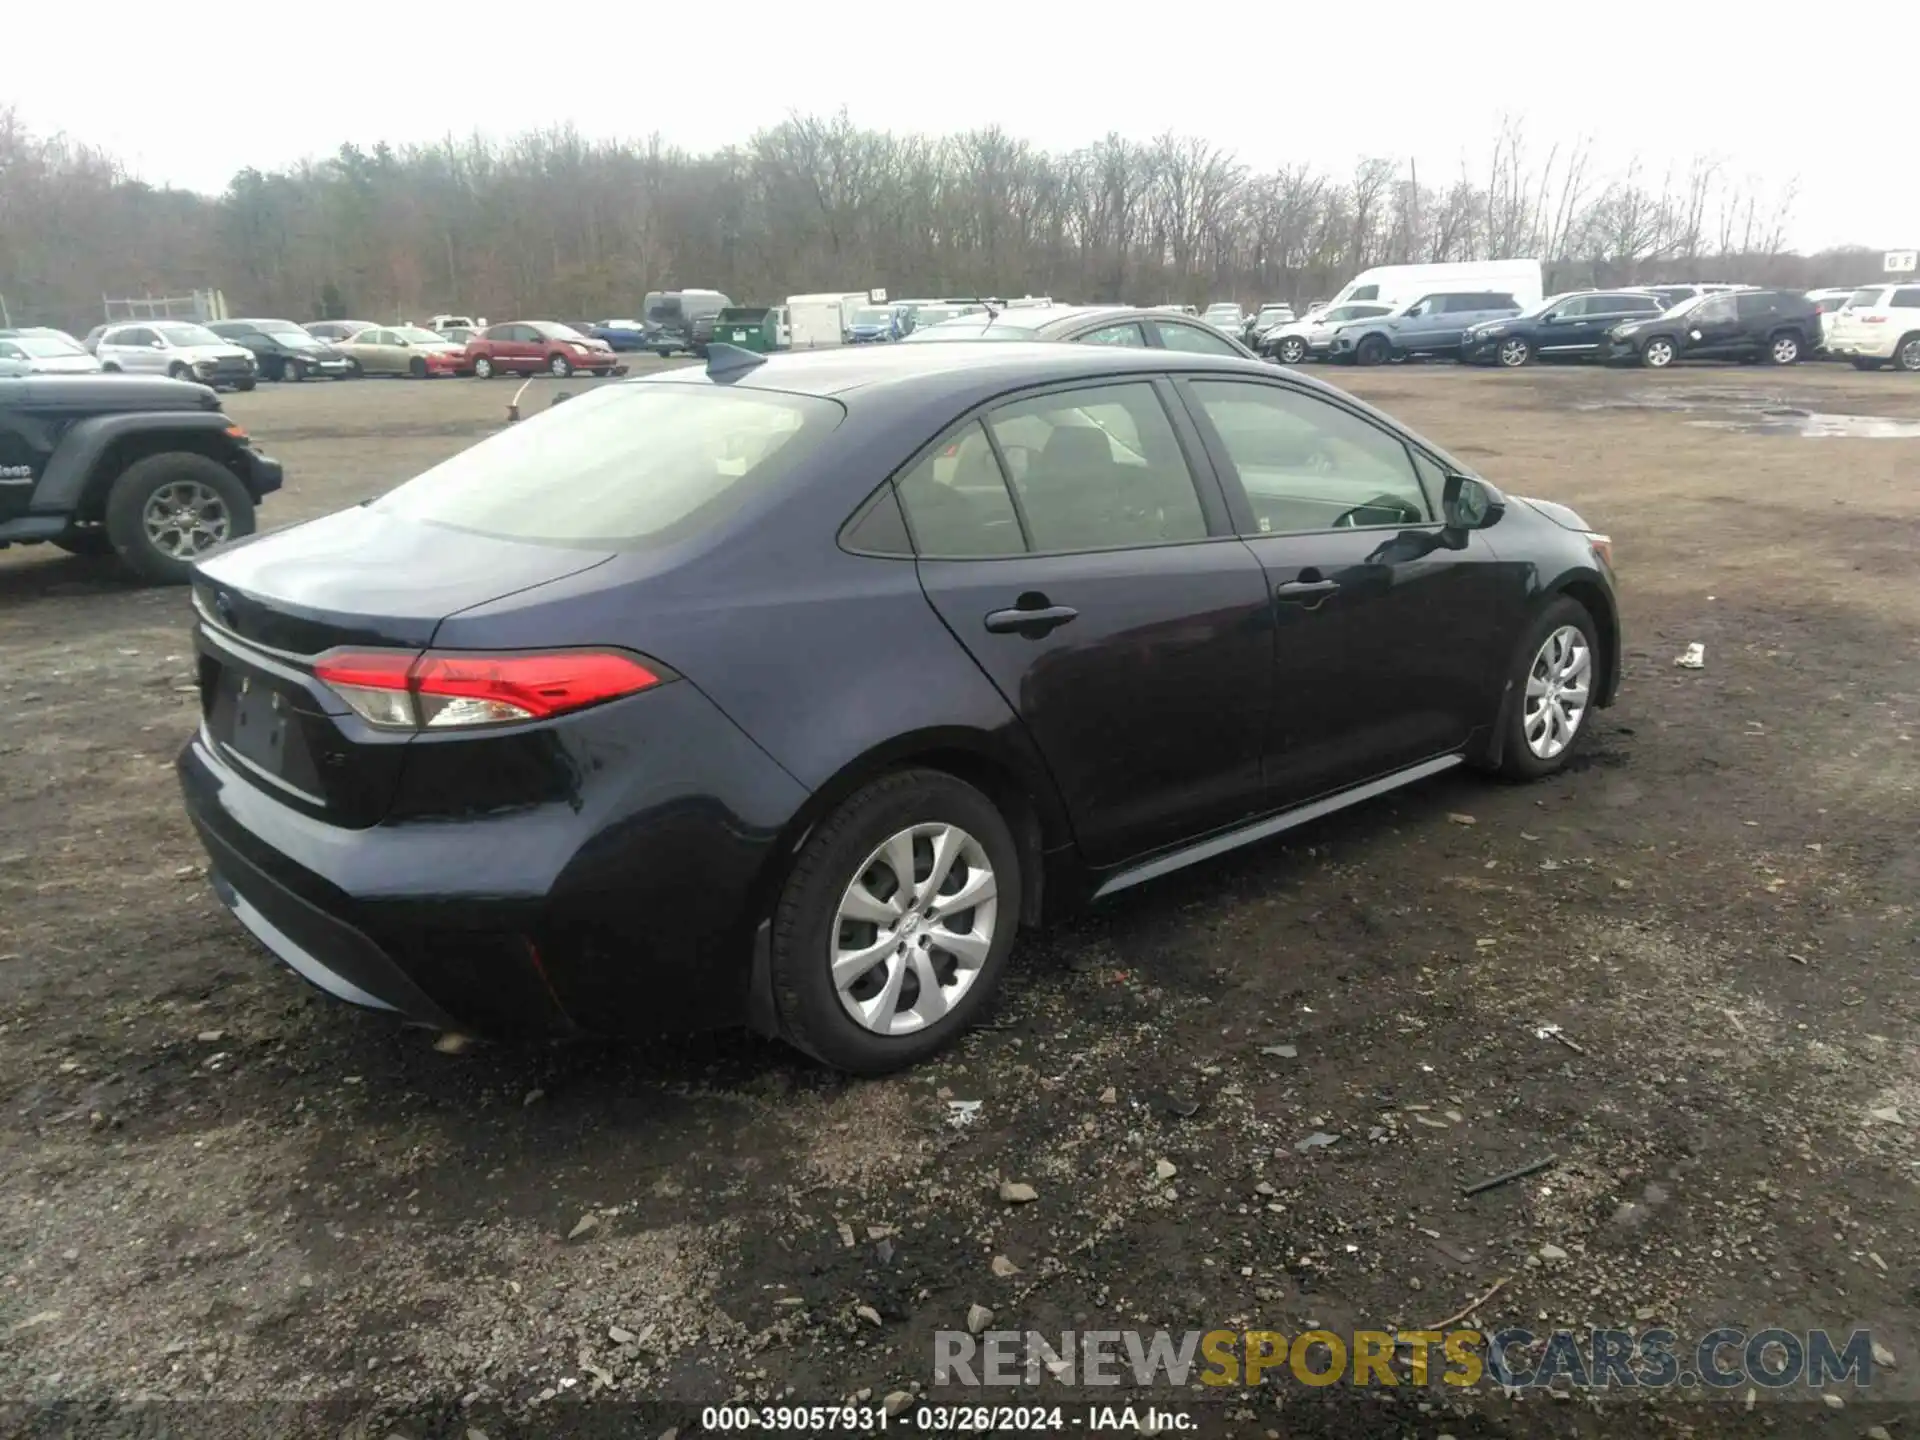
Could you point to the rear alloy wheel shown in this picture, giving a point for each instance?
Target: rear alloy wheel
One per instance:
(1783, 349)
(558, 367)
(894, 927)
(1559, 668)
(483, 367)
(166, 511)
(1907, 357)
(1292, 350)
(1374, 350)
(1514, 352)
(1657, 353)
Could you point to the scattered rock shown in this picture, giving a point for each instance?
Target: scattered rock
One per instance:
(1109, 1096)
(620, 1335)
(846, 1235)
(1281, 1052)
(1431, 1122)
(978, 1318)
(1646, 1312)
(1832, 1401)
(1003, 1267)
(34, 1322)
(1889, 1116)
(1319, 1140)
(1620, 884)
(452, 1042)
(584, 1226)
(211, 1037)
(896, 1401)
(1018, 1192)
(1181, 1107)
(1460, 819)
(1552, 1254)
(1882, 1356)
(868, 1314)
(1265, 1187)
(883, 1252)
(533, 1097)
(1878, 1432)
(1165, 1169)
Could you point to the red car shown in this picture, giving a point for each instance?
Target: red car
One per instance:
(525, 347)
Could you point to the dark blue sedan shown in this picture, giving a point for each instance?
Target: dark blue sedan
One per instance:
(625, 336)
(785, 691)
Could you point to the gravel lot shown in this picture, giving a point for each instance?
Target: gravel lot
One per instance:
(221, 1190)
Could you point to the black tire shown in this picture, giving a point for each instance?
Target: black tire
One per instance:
(417, 368)
(243, 384)
(177, 371)
(127, 502)
(483, 368)
(1866, 362)
(1512, 353)
(291, 372)
(1374, 350)
(354, 370)
(559, 366)
(811, 1014)
(1907, 353)
(1659, 352)
(1517, 759)
(110, 368)
(91, 540)
(1783, 348)
(1291, 350)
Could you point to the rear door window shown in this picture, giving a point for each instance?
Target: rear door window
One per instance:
(1129, 334)
(1906, 298)
(1191, 339)
(956, 500)
(1098, 469)
(621, 467)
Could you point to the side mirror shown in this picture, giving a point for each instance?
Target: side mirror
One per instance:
(1471, 504)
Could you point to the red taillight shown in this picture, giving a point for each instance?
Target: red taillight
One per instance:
(451, 689)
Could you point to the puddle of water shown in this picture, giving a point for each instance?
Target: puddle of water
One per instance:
(1755, 414)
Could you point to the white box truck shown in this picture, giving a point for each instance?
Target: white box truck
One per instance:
(822, 319)
(1396, 284)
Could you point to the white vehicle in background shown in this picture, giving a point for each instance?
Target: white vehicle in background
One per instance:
(456, 322)
(822, 319)
(1392, 285)
(1879, 324)
(1310, 339)
(1226, 315)
(1827, 303)
(44, 352)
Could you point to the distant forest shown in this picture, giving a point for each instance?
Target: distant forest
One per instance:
(554, 224)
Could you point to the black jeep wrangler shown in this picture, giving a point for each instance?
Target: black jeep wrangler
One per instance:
(147, 468)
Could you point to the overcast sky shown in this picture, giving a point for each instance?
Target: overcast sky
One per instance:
(1807, 97)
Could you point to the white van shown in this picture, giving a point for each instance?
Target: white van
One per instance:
(1397, 284)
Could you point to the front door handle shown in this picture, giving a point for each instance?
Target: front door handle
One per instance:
(1033, 623)
(1305, 589)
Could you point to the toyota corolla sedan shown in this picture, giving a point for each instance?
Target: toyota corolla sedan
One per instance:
(786, 691)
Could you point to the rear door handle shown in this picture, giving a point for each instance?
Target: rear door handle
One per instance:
(1030, 622)
(1305, 589)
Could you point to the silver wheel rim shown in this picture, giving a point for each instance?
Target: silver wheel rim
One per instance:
(1514, 352)
(1910, 355)
(1558, 684)
(483, 367)
(1785, 350)
(1292, 350)
(1659, 353)
(185, 518)
(914, 929)
(557, 365)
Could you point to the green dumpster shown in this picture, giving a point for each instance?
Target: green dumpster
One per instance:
(751, 327)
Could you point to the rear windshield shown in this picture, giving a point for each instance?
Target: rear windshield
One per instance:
(621, 467)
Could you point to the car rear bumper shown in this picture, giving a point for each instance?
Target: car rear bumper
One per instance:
(627, 908)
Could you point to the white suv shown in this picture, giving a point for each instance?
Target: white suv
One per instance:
(178, 348)
(1880, 323)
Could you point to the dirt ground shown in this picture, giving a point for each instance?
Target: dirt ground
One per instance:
(220, 1191)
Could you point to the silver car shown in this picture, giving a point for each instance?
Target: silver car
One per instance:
(178, 348)
(43, 352)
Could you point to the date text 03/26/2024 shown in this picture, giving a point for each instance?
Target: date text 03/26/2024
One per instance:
(814, 1420)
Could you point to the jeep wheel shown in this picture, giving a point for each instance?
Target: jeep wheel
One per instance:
(482, 367)
(166, 511)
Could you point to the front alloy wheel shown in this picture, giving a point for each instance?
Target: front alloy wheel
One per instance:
(914, 928)
(483, 368)
(1559, 684)
(1658, 353)
(1514, 352)
(1292, 350)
